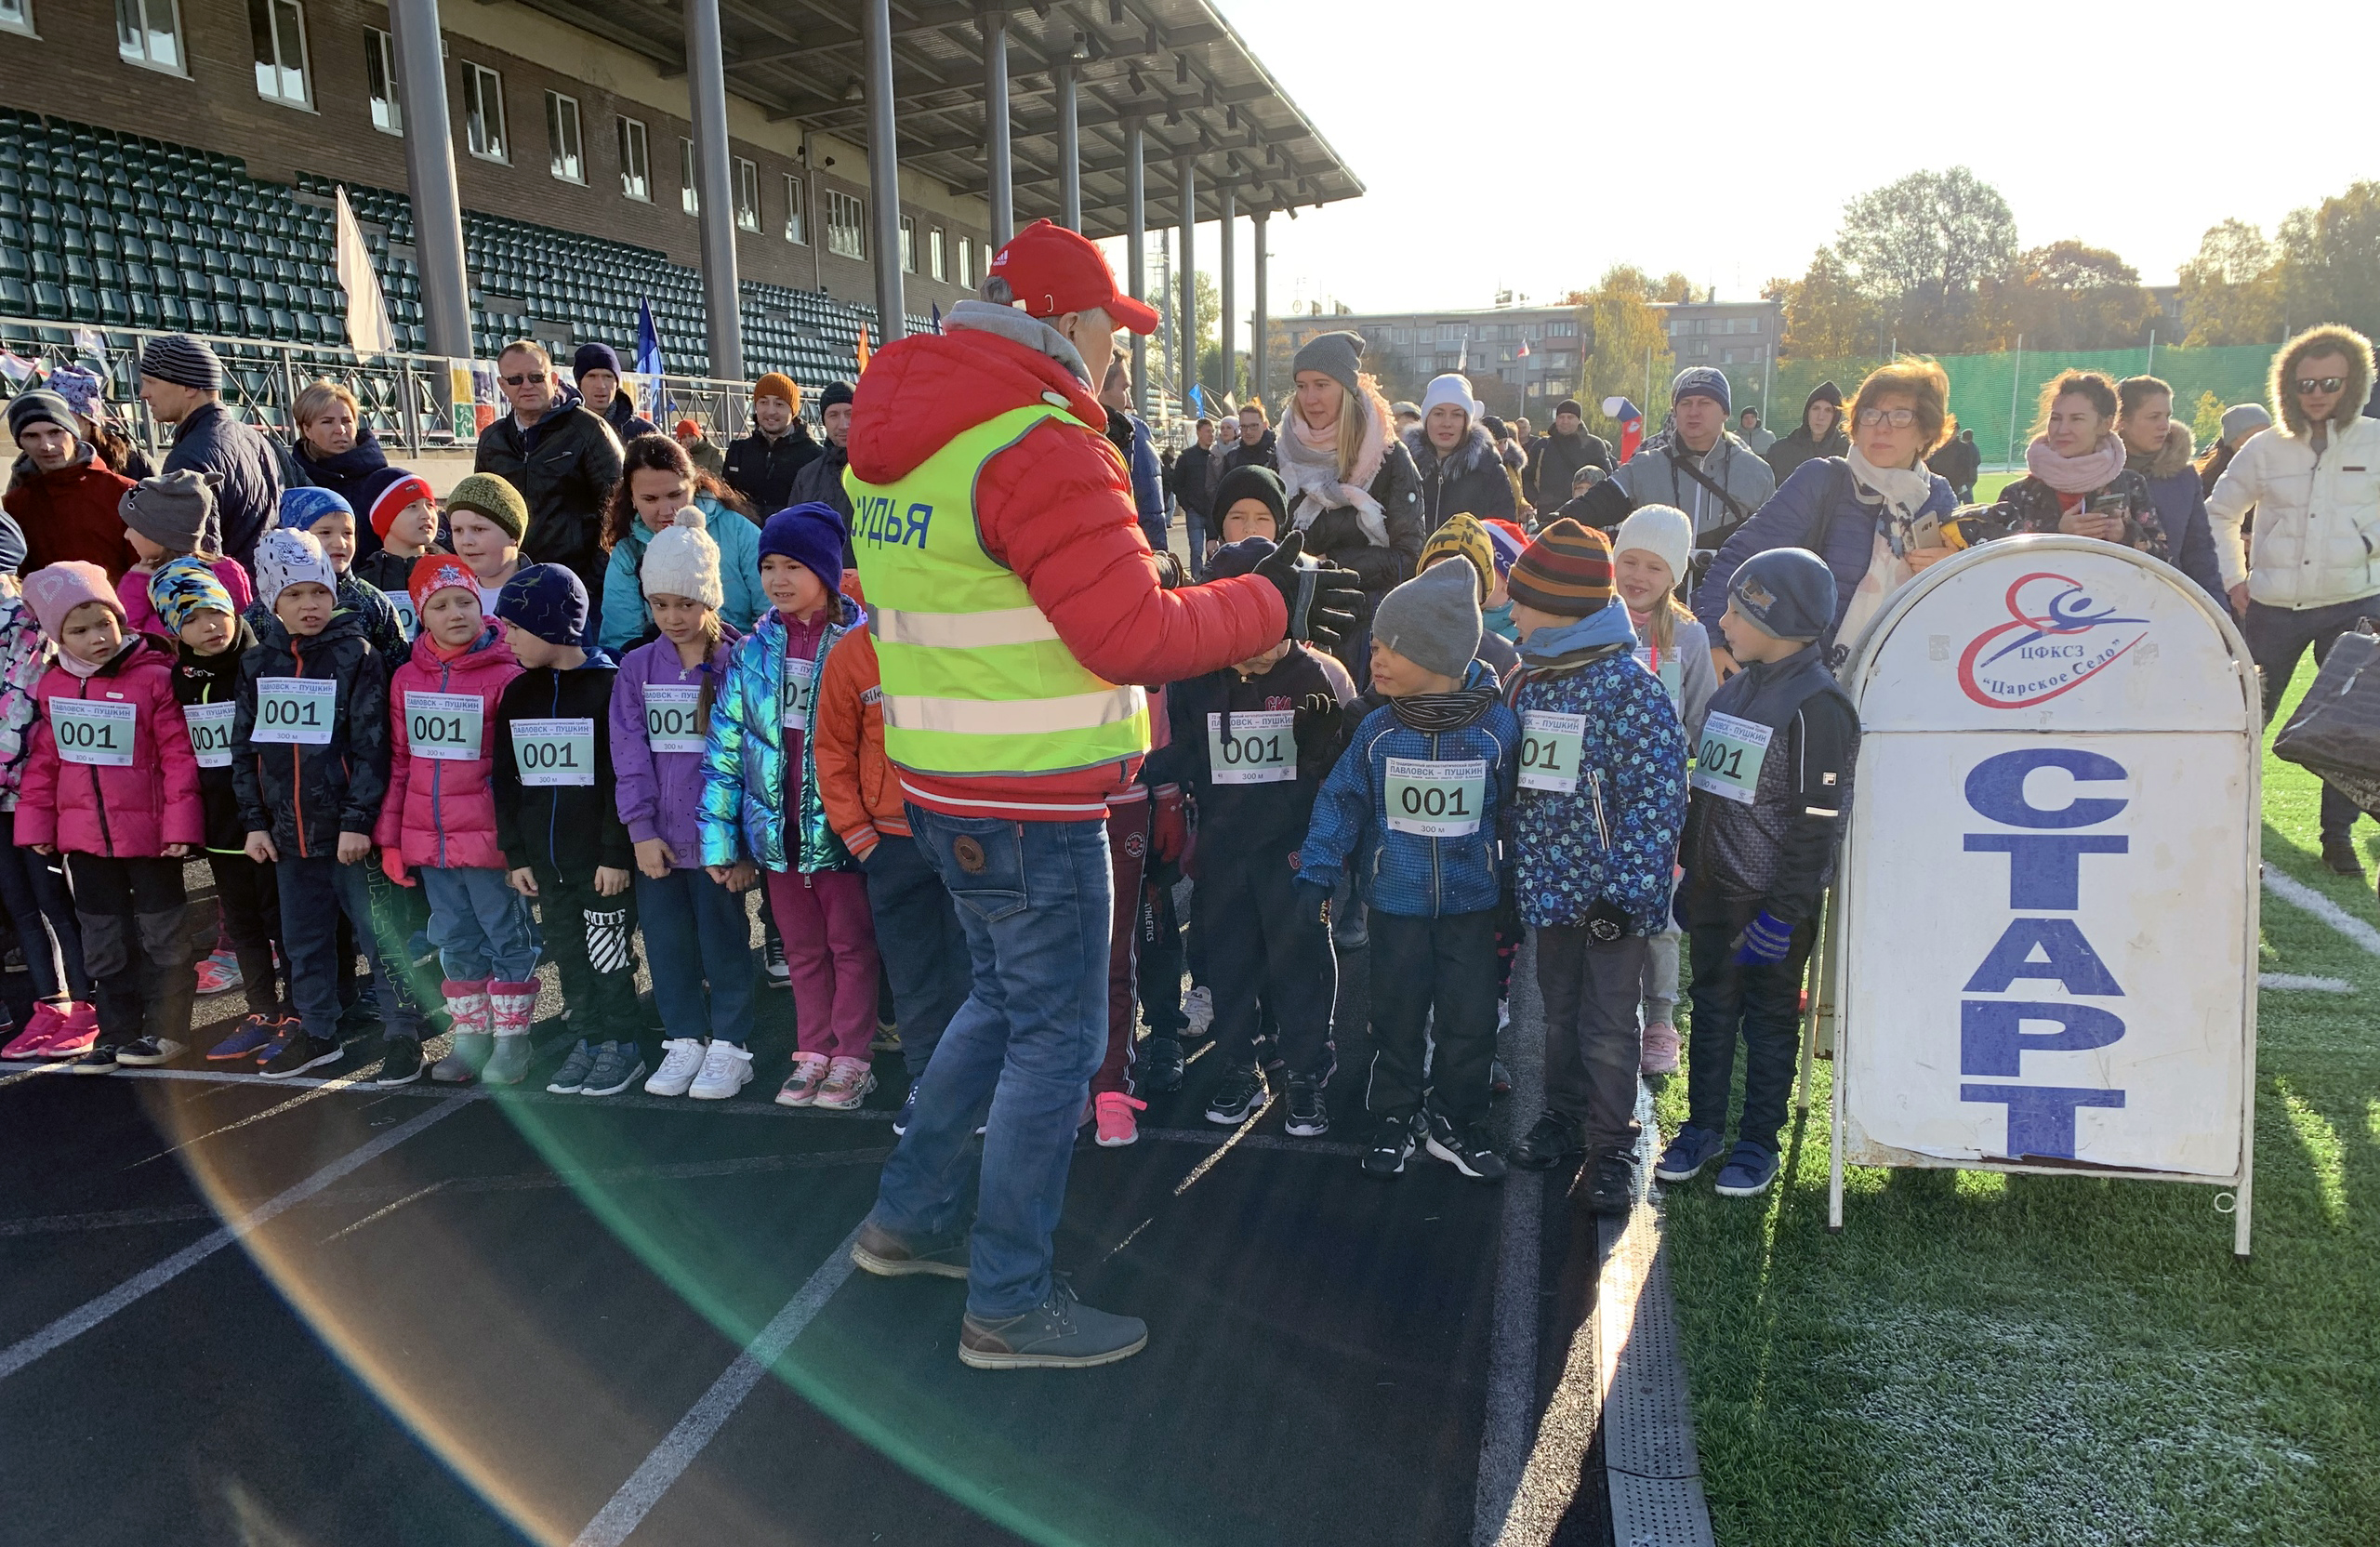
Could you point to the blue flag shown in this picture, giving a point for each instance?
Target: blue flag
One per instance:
(648, 341)
(1197, 399)
(938, 319)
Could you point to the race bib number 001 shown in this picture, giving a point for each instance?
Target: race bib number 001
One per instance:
(554, 751)
(295, 710)
(1727, 763)
(445, 726)
(800, 692)
(408, 621)
(674, 718)
(1550, 746)
(210, 733)
(1435, 799)
(1261, 748)
(95, 732)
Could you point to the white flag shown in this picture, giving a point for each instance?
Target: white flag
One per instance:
(367, 313)
(89, 343)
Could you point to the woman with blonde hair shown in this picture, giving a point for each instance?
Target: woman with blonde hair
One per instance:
(337, 450)
(2076, 479)
(1870, 513)
(1352, 488)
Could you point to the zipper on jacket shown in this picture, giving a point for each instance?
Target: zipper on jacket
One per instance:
(99, 801)
(1436, 901)
(297, 764)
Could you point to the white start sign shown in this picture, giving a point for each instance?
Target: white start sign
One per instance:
(2046, 904)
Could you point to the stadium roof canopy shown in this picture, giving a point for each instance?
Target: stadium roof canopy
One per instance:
(1176, 65)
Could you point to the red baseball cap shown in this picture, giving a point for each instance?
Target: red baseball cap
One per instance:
(1055, 270)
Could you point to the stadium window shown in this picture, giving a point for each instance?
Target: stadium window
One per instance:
(846, 225)
(937, 255)
(747, 195)
(635, 171)
(17, 16)
(688, 199)
(279, 29)
(380, 81)
(149, 33)
(796, 213)
(561, 137)
(965, 264)
(908, 243)
(483, 113)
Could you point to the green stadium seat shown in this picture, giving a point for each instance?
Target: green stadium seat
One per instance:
(49, 299)
(143, 310)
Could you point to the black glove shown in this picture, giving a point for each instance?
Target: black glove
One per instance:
(1322, 599)
(1313, 901)
(1607, 922)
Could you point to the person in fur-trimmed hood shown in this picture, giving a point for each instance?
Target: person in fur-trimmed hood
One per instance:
(2305, 581)
(2159, 448)
(1460, 467)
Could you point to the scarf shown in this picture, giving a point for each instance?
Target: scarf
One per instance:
(1600, 634)
(1896, 493)
(1901, 490)
(1310, 471)
(78, 667)
(2076, 475)
(1446, 711)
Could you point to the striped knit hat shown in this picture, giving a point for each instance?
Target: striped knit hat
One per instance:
(182, 359)
(1566, 571)
(1463, 535)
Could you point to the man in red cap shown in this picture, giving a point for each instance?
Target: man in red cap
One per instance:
(1015, 606)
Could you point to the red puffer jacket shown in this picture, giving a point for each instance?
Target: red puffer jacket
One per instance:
(441, 811)
(1057, 509)
(127, 811)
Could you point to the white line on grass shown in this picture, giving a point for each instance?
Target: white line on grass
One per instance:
(2289, 889)
(2304, 985)
(1512, 1345)
(80, 1320)
(703, 1421)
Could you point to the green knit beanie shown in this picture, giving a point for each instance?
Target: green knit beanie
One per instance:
(489, 496)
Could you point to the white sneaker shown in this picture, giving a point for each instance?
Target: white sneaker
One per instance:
(726, 1069)
(680, 1057)
(1198, 1008)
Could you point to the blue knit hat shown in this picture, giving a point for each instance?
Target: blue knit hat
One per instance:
(1787, 592)
(594, 357)
(548, 600)
(185, 586)
(1700, 381)
(1240, 557)
(812, 534)
(301, 508)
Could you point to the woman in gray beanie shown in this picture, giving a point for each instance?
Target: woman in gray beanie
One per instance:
(1352, 486)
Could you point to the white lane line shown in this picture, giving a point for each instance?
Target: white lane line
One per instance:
(1512, 1345)
(74, 1323)
(2304, 985)
(2290, 889)
(703, 1421)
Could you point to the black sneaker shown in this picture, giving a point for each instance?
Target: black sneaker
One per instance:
(1613, 1191)
(148, 1052)
(1391, 1147)
(775, 972)
(2340, 858)
(304, 1050)
(1554, 1139)
(1466, 1149)
(100, 1060)
(1161, 1065)
(1242, 1092)
(1308, 1117)
(400, 1062)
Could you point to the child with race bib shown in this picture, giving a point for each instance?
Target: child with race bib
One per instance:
(404, 513)
(440, 821)
(326, 515)
(658, 485)
(210, 642)
(111, 783)
(1772, 787)
(486, 518)
(564, 844)
(1412, 810)
(696, 932)
(167, 518)
(1595, 820)
(762, 814)
(1649, 557)
(310, 763)
(1252, 743)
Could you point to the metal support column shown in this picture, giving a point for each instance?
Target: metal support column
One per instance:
(1230, 286)
(715, 192)
(1136, 250)
(1069, 148)
(430, 176)
(996, 124)
(1259, 328)
(1186, 169)
(885, 173)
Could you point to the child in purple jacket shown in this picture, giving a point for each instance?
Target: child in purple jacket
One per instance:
(695, 929)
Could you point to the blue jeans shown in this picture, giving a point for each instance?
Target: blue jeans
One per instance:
(480, 925)
(315, 890)
(695, 931)
(1034, 899)
(1196, 525)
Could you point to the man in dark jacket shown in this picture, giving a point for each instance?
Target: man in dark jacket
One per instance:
(762, 465)
(597, 370)
(822, 479)
(1555, 458)
(1957, 463)
(1818, 434)
(1255, 447)
(563, 460)
(1195, 472)
(182, 383)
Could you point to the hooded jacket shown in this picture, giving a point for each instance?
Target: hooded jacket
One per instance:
(1469, 479)
(822, 481)
(1247, 825)
(1820, 491)
(1265, 453)
(1404, 873)
(306, 795)
(751, 783)
(2318, 512)
(1057, 508)
(128, 812)
(71, 513)
(1795, 447)
(625, 621)
(625, 422)
(561, 829)
(1776, 851)
(442, 812)
(216, 679)
(762, 470)
(857, 783)
(1657, 475)
(563, 467)
(660, 794)
(1555, 458)
(2175, 489)
(1611, 841)
(708, 458)
(248, 502)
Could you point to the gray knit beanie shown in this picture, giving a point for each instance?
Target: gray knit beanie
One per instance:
(1433, 619)
(40, 407)
(171, 512)
(182, 359)
(2243, 419)
(1336, 356)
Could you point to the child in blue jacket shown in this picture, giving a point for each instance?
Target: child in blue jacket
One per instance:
(1412, 808)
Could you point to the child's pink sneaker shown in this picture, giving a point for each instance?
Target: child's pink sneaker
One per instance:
(800, 1088)
(29, 1042)
(1661, 1049)
(77, 1033)
(1117, 1125)
(847, 1084)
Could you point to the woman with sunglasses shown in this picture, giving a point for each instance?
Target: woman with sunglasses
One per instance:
(2314, 565)
(2076, 479)
(1872, 513)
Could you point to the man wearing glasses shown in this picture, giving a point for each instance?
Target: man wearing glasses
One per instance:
(563, 460)
(2313, 565)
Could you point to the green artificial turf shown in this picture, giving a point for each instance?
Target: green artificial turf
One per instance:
(1988, 485)
(1981, 1359)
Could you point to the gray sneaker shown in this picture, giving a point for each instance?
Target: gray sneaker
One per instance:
(1060, 1333)
(509, 1062)
(617, 1066)
(571, 1078)
(888, 1256)
(470, 1054)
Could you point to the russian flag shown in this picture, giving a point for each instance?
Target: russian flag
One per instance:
(1632, 424)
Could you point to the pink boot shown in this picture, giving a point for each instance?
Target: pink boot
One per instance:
(511, 1005)
(474, 1032)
